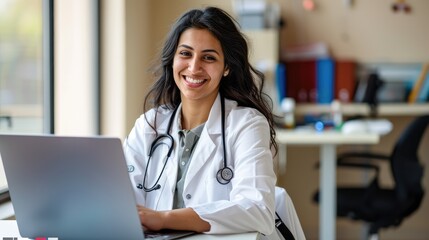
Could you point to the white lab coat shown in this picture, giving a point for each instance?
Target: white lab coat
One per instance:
(246, 203)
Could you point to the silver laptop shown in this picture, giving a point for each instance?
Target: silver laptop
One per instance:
(71, 187)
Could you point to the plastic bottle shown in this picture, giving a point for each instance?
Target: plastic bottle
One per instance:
(288, 108)
(337, 115)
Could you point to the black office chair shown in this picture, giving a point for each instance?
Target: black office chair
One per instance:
(385, 207)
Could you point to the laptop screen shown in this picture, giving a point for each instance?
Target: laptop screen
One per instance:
(70, 187)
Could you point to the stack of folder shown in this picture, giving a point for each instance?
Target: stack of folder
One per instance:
(316, 80)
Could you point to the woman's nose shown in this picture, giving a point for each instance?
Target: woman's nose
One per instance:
(194, 65)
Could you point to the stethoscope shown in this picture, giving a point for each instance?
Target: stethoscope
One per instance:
(223, 176)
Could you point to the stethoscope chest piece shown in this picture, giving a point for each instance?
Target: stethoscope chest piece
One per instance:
(224, 175)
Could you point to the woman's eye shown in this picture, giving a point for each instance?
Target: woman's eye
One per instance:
(185, 53)
(210, 58)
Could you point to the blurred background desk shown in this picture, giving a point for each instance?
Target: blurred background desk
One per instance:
(327, 140)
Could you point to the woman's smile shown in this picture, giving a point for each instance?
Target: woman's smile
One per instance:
(193, 81)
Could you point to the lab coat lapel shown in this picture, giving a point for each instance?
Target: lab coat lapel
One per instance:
(201, 154)
(207, 143)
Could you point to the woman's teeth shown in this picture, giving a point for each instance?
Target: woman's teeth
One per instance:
(191, 80)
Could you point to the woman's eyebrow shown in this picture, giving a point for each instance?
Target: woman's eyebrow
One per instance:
(205, 51)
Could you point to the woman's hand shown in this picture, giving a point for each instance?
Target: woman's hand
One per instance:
(178, 219)
(150, 219)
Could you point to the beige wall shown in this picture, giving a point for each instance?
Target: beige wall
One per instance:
(368, 31)
(75, 98)
(126, 53)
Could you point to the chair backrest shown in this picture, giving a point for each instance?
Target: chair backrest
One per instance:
(406, 168)
(409, 141)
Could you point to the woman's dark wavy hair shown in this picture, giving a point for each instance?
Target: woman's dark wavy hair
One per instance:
(243, 84)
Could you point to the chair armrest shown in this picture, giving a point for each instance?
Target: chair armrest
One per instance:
(360, 160)
(359, 165)
(362, 155)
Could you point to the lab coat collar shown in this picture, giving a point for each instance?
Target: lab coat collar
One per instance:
(213, 125)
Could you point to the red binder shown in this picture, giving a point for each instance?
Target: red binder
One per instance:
(301, 80)
(308, 75)
(345, 80)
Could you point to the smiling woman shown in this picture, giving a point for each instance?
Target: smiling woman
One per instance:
(209, 132)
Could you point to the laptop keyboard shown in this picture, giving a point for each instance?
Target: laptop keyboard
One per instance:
(166, 234)
(154, 235)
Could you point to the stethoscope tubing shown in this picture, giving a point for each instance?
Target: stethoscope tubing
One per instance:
(223, 176)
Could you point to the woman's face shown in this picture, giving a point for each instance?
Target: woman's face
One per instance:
(198, 65)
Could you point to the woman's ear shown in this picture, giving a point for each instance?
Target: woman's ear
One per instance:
(226, 72)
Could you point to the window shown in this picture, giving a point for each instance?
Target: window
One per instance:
(22, 67)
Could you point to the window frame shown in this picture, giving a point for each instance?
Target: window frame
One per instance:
(48, 65)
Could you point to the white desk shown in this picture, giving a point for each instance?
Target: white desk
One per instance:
(327, 141)
(9, 229)
(6, 210)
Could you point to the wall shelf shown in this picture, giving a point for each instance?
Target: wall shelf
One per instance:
(349, 109)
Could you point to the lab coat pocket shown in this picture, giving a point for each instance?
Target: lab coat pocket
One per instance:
(216, 191)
